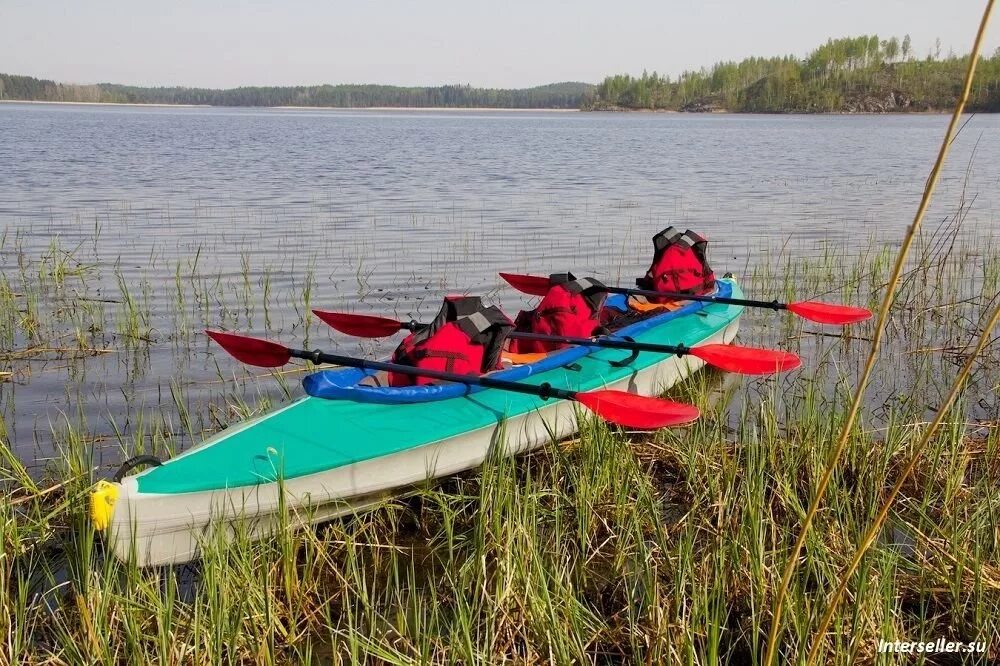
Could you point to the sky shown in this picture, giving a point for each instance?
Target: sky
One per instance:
(506, 43)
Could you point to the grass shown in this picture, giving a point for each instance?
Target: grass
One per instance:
(613, 547)
(862, 385)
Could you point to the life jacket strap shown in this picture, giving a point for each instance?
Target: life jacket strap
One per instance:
(449, 357)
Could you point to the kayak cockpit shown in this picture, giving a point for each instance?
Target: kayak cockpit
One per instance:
(371, 386)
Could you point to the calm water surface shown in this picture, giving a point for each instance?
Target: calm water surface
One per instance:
(242, 218)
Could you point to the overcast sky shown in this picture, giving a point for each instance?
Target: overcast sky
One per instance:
(505, 43)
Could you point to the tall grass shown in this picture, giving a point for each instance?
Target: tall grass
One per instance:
(880, 325)
(613, 547)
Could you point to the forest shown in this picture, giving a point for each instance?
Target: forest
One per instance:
(853, 74)
(553, 96)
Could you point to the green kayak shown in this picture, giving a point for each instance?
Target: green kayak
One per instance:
(337, 454)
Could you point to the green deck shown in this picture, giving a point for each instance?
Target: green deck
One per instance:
(313, 435)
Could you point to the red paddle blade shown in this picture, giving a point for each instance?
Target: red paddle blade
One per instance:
(529, 284)
(828, 313)
(252, 351)
(747, 360)
(362, 326)
(637, 411)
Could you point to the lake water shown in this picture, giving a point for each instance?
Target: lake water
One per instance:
(190, 217)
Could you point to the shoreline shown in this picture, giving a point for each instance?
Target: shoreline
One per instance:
(727, 112)
(410, 108)
(481, 109)
(47, 101)
(295, 108)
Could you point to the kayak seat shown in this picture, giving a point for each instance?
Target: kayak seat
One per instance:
(511, 358)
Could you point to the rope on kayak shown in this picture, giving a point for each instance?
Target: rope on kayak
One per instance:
(132, 463)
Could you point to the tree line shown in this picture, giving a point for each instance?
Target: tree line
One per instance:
(851, 74)
(568, 95)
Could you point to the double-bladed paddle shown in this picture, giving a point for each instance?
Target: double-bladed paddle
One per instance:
(619, 407)
(823, 313)
(745, 360)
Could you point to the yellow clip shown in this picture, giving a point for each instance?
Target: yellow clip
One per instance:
(102, 503)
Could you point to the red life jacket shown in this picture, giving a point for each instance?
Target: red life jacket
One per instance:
(571, 307)
(679, 264)
(465, 338)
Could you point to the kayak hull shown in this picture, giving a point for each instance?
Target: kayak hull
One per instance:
(158, 528)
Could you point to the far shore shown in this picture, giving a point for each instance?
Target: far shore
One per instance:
(295, 108)
(930, 112)
(416, 108)
(45, 101)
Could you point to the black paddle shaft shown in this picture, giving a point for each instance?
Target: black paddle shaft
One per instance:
(544, 391)
(608, 343)
(773, 305)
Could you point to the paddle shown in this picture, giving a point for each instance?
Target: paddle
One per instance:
(823, 313)
(745, 360)
(619, 407)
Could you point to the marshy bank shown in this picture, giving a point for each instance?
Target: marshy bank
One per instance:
(614, 546)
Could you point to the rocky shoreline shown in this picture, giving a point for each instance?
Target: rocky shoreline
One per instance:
(867, 105)
(894, 101)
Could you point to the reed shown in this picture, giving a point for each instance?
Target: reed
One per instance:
(880, 324)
